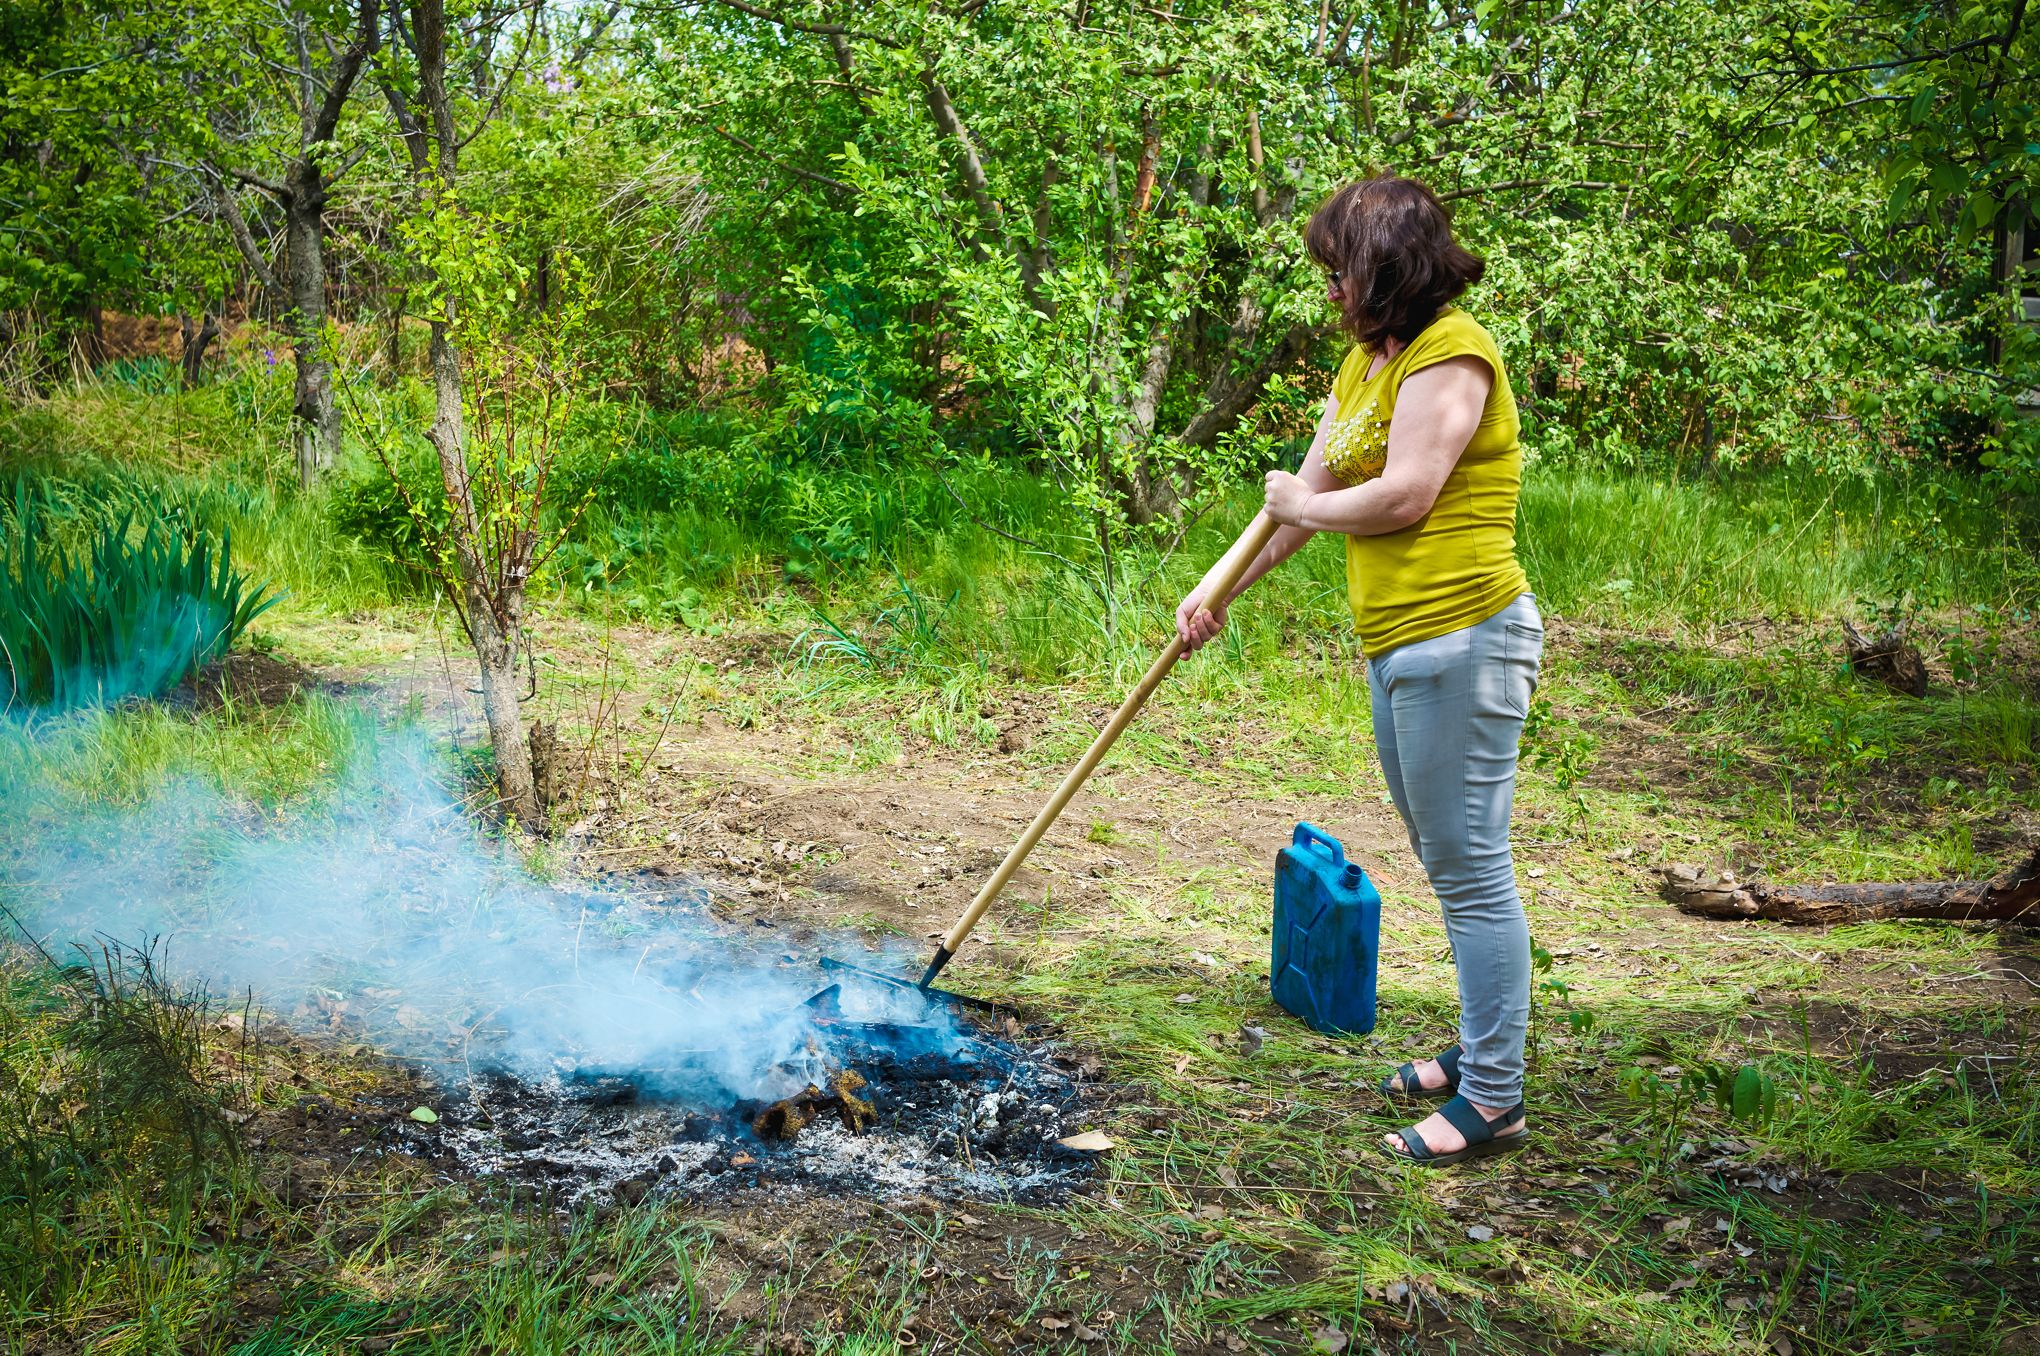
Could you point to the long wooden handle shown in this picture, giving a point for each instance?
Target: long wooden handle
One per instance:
(1230, 568)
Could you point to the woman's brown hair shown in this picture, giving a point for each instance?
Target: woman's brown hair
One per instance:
(1392, 240)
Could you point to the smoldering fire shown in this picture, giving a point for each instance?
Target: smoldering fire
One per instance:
(377, 909)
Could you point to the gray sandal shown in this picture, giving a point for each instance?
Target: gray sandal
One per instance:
(1479, 1131)
(1448, 1060)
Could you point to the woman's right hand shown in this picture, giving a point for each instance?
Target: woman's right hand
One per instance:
(1197, 621)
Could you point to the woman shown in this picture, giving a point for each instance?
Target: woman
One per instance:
(1416, 462)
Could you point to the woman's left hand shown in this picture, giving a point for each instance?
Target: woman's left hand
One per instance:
(1287, 495)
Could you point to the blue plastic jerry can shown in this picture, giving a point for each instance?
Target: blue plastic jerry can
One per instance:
(1327, 934)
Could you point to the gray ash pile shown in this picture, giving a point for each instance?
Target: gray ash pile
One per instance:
(878, 1109)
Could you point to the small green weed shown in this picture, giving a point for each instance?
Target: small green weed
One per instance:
(906, 635)
(1744, 1092)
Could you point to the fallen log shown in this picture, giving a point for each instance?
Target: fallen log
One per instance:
(2012, 895)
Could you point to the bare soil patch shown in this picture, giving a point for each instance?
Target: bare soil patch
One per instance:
(248, 676)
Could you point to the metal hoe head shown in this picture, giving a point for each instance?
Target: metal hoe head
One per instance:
(894, 981)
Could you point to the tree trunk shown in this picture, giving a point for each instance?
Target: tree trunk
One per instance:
(992, 232)
(1228, 397)
(1036, 260)
(1148, 489)
(88, 343)
(492, 607)
(2012, 895)
(1887, 657)
(2005, 242)
(494, 634)
(548, 765)
(1262, 207)
(318, 417)
(497, 651)
(197, 334)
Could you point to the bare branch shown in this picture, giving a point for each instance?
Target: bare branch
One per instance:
(367, 38)
(1254, 154)
(1438, 124)
(1507, 184)
(354, 157)
(1893, 63)
(244, 239)
(1336, 53)
(586, 46)
(488, 115)
(990, 217)
(254, 180)
(796, 171)
(798, 26)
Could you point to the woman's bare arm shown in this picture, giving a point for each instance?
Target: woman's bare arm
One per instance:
(1437, 410)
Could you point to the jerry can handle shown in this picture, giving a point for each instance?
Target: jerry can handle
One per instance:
(1310, 833)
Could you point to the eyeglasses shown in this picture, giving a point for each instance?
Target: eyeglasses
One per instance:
(1334, 278)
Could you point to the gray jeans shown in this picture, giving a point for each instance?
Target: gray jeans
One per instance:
(1448, 714)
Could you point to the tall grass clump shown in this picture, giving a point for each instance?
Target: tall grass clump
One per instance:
(1767, 544)
(115, 1144)
(221, 455)
(129, 612)
(121, 757)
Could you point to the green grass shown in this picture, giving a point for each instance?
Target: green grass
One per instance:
(1692, 704)
(693, 525)
(140, 600)
(133, 1210)
(449, 1272)
(217, 456)
(118, 758)
(1771, 545)
(1293, 1157)
(116, 1148)
(1826, 770)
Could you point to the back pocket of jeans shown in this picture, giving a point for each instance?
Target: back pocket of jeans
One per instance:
(1522, 650)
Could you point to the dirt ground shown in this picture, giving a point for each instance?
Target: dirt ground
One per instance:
(789, 825)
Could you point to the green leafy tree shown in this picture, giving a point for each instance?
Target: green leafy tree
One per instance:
(1082, 226)
(1945, 99)
(502, 382)
(1078, 220)
(278, 109)
(93, 121)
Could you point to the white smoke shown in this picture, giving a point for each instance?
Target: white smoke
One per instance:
(378, 911)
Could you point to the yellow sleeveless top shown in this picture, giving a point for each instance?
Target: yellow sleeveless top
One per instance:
(1456, 566)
